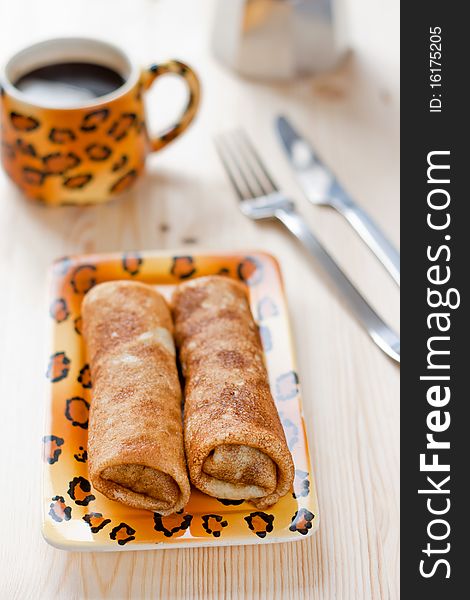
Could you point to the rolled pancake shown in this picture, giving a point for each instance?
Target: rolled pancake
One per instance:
(135, 439)
(234, 441)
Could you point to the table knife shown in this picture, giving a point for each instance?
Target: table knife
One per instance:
(321, 187)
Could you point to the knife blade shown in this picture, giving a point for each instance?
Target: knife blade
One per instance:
(321, 187)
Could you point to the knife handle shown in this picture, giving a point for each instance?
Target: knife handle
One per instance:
(372, 236)
(378, 330)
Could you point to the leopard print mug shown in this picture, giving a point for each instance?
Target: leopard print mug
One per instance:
(90, 152)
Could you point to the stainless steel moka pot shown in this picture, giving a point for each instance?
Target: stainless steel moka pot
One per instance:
(279, 39)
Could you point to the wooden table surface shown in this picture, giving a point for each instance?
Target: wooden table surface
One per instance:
(350, 388)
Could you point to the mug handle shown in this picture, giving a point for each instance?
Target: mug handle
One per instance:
(177, 68)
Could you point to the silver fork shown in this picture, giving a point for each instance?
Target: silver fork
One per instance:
(260, 198)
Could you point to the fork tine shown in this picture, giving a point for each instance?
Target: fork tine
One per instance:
(258, 160)
(228, 169)
(234, 165)
(239, 139)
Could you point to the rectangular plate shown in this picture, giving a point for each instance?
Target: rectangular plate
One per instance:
(78, 517)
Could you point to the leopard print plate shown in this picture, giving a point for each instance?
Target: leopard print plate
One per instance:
(78, 517)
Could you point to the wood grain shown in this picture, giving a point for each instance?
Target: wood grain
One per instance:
(350, 388)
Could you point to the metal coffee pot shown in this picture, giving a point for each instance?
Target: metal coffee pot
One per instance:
(279, 39)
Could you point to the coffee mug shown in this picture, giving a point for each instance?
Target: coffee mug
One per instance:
(61, 148)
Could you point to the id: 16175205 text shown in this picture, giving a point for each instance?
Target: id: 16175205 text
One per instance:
(435, 69)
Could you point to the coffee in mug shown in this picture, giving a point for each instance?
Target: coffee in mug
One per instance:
(64, 84)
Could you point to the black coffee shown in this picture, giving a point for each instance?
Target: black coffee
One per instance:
(69, 84)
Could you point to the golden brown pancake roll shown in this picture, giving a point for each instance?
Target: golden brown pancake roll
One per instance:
(234, 441)
(135, 440)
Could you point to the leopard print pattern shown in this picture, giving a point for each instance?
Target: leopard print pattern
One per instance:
(74, 157)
